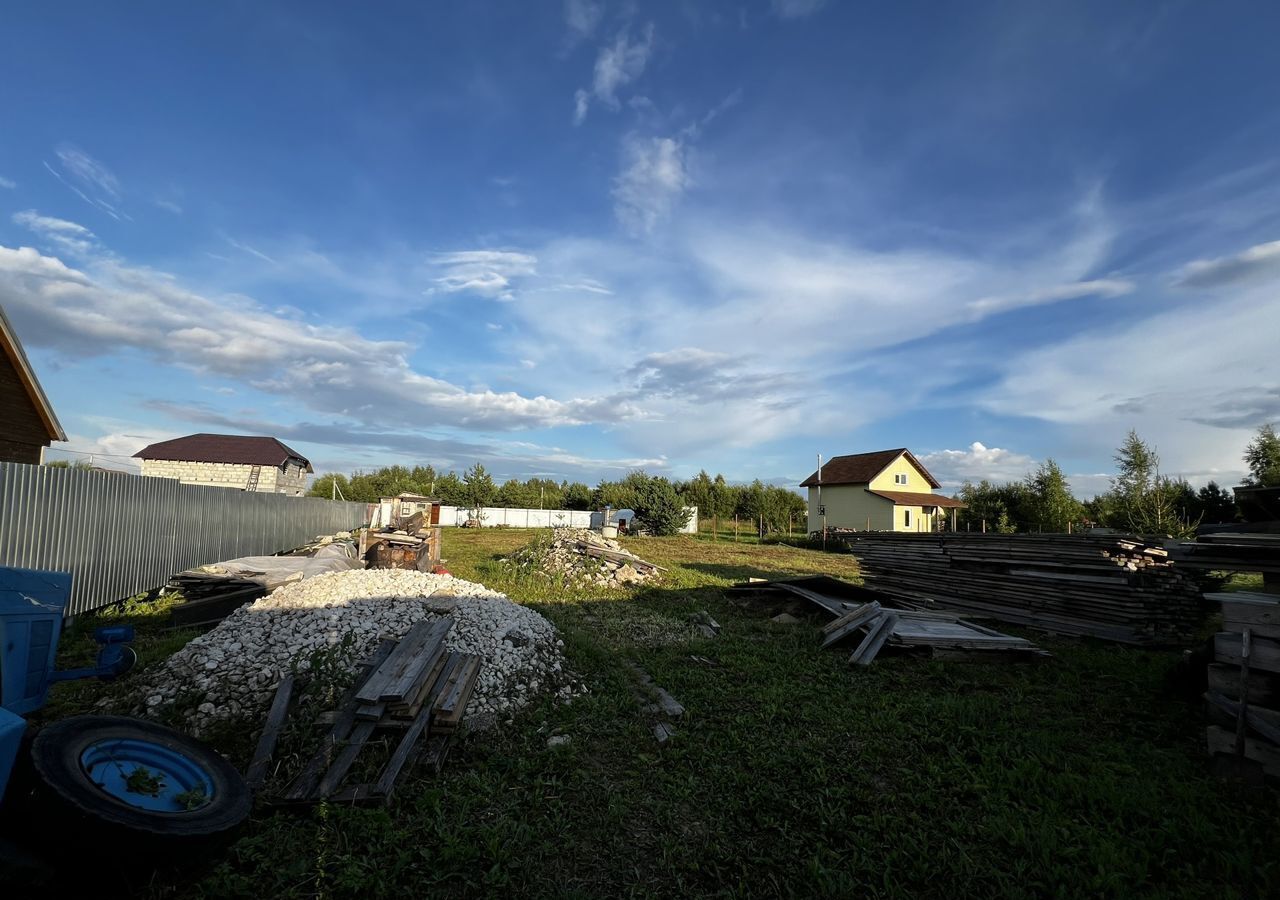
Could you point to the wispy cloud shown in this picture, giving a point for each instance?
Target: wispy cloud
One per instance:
(488, 273)
(617, 65)
(89, 179)
(70, 237)
(796, 9)
(1256, 262)
(582, 17)
(7, 184)
(655, 174)
(1101, 287)
(252, 251)
(168, 206)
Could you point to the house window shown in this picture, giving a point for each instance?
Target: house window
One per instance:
(906, 517)
(900, 478)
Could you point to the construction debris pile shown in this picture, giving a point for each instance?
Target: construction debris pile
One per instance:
(1106, 586)
(867, 615)
(411, 543)
(231, 671)
(582, 555)
(412, 690)
(211, 593)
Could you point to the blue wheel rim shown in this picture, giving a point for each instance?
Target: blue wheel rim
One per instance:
(147, 775)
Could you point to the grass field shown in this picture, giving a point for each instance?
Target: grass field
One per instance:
(790, 774)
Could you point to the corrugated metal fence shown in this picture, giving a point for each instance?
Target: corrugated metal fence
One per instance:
(119, 535)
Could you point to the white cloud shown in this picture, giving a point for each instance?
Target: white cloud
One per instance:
(617, 65)
(488, 273)
(168, 206)
(113, 306)
(1194, 380)
(8, 184)
(1256, 262)
(653, 178)
(796, 9)
(978, 462)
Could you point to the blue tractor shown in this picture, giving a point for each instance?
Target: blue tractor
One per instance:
(98, 773)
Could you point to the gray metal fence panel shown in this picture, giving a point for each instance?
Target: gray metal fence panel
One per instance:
(119, 535)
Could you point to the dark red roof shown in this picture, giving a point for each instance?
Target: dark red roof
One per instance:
(910, 498)
(239, 449)
(860, 468)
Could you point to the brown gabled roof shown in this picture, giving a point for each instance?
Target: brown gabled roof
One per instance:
(908, 498)
(12, 348)
(239, 449)
(860, 468)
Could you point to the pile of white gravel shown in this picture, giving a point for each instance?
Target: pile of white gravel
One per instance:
(233, 670)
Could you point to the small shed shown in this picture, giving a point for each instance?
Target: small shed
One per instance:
(27, 422)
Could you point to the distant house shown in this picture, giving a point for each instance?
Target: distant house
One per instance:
(228, 460)
(888, 490)
(27, 422)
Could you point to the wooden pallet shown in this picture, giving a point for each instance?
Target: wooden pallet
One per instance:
(414, 691)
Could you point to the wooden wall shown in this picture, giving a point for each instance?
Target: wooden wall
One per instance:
(22, 428)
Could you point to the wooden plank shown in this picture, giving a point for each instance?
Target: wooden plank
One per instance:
(257, 771)
(304, 784)
(393, 666)
(448, 715)
(409, 708)
(851, 622)
(1264, 688)
(1264, 655)
(404, 751)
(851, 614)
(338, 771)
(1222, 740)
(874, 640)
(1265, 722)
(416, 667)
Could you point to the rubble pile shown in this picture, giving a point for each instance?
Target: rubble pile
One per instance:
(583, 556)
(232, 671)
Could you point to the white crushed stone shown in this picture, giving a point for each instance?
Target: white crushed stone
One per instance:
(234, 668)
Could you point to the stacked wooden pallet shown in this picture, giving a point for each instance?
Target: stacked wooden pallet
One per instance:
(1244, 680)
(1105, 586)
(414, 688)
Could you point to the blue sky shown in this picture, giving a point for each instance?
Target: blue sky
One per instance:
(574, 239)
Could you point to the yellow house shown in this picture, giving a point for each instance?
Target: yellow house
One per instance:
(888, 490)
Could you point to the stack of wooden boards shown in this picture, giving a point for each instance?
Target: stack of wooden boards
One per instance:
(1244, 680)
(1106, 586)
(413, 688)
(1230, 552)
(859, 611)
(616, 559)
(415, 544)
(211, 598)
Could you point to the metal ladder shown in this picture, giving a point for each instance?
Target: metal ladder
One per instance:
(253, 479)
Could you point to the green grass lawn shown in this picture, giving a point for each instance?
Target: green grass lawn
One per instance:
(790, 775)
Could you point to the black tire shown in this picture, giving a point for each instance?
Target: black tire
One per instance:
(56, 752)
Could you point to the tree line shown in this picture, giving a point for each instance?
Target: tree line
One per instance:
(658, 501)
(1141, 499)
